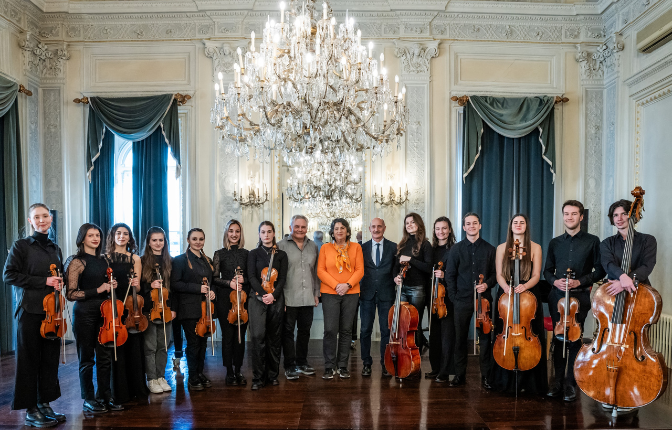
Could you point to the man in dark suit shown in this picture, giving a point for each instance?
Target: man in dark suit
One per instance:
(377, 289)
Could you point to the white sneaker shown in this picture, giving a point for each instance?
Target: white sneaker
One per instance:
(165, 386)
(154, 386)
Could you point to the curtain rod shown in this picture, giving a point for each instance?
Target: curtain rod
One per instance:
(461, 101)
(182, 99)
(25, 90)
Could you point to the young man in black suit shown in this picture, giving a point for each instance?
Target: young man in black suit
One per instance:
(377, 290)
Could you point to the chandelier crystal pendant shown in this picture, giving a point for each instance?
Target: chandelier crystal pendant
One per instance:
(311, 89)
(324, 181)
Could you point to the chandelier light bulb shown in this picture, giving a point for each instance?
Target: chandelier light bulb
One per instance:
(252, 36)
(370, 49)
(324, 10)
(282, 12)
(240, 56)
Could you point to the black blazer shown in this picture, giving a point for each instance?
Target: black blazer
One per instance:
(378, 279)
(186, 284)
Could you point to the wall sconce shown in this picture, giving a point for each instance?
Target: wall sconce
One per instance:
(254, 198)
(391, 199)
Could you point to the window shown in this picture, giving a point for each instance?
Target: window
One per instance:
(123, 194)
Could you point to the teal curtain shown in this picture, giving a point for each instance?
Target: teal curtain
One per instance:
(510, 117)
(101, 186)
(150, 185)
(11, 200)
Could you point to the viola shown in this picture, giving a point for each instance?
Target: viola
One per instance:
(438, 296)
(54, 325)
(238, 313)
(517, 347)
(113, 332)
(567, 328)
(402, 356)
(619, 367)
(136, 321)
(206, 326)
(269, 275)
(160, 312)
(482, 307)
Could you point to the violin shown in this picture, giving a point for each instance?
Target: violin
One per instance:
(567, 328)
(158, 313)
(482, 307)
(269, 275)
(402, 356)
(238, 313)
(206, 326)
(619, 367)
(113, 332)
(54, 326)
(438, 296)
(136, 321)
(517, 347)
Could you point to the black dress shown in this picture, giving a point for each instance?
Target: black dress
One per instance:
(530, 382)
(128, 372)
(442, 335)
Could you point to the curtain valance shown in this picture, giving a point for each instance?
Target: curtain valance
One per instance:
(8, 92)
(134, 119)
(511, 117)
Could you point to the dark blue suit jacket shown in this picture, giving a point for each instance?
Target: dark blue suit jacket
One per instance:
(378, 279)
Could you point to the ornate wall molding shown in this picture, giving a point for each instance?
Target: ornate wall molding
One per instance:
(601, 61)
(223, 56)
(42, 60)
(593, 158)
(52, 103)
(35, 158)
(417, 147)
(415, 56)
(609, 157)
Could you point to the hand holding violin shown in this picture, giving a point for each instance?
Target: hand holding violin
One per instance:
(107, 287)
(439, 274)
(55, 281)
(267, 299)
(239, 278)
(157, 284)
(480, 288)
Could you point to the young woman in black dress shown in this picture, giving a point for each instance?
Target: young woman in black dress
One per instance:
(231, 257)
(191, 280)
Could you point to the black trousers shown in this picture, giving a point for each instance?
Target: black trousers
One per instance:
(128, 370)
(338, 314)
(177, 338)
(463, 315)
(368, 316)
(36, 379)
(560, 363)
(354, 324)
(266, 338)
(442, 342)
(296, 351)
(233, 352)
(415, 295)
(196, 347)
(86, 326)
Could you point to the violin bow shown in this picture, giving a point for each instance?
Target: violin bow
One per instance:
(508, 313)
(238, 301)
(63, 311)
(163, 309)
(475, 315)
(431, 301)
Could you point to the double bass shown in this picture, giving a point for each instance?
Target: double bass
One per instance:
(206, 325)
(619, 367)
(567, 328)
(54, 326)
(402, 357)
(113, 332)
(238, 313)
(158, 312)
(136, 321)
(517, 347)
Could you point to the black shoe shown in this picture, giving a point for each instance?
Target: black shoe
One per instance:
(231, 380)
(274, 381)
(431, 375)
(291, 373)
(241, 379)
(441, 378)
(344, 373)
(555, 390)
(570, 394)
(49, 413)
(353, 345)
(385, 372)
(458, 381)
(366, 370)
(256, 385)
(195, 384)
(35, 418)
(94, 407)
(204, 380)
(485, 383)
(305, 370)
(114, 407)
(328, 373)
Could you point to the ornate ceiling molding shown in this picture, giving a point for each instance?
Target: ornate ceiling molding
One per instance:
(44, 61)
(603, 60)
(415, 57)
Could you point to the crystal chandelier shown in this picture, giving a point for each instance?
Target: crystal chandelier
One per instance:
(324, 211)
(310, 90)
(325, 181)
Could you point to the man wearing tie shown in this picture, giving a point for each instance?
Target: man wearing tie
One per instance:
(377, 289)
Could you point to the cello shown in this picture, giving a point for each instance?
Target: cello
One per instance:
(158, 313)
(113, 332)
(238, 313)
(206, 325)
(136, 321)
(567, 328)
(517, 347)
(402, 357)
(619, 367)
(54, 326)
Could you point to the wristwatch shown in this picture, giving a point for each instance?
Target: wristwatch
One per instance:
(349, 286)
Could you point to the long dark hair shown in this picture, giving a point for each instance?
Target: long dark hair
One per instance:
(192, 231)
(110, 245)
(345, 223)
(420, 235)
(451, 236)
(526, 261)
(270, 224)
(81, 235)
(147, 259)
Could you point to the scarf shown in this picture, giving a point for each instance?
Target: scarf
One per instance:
(342, 258)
